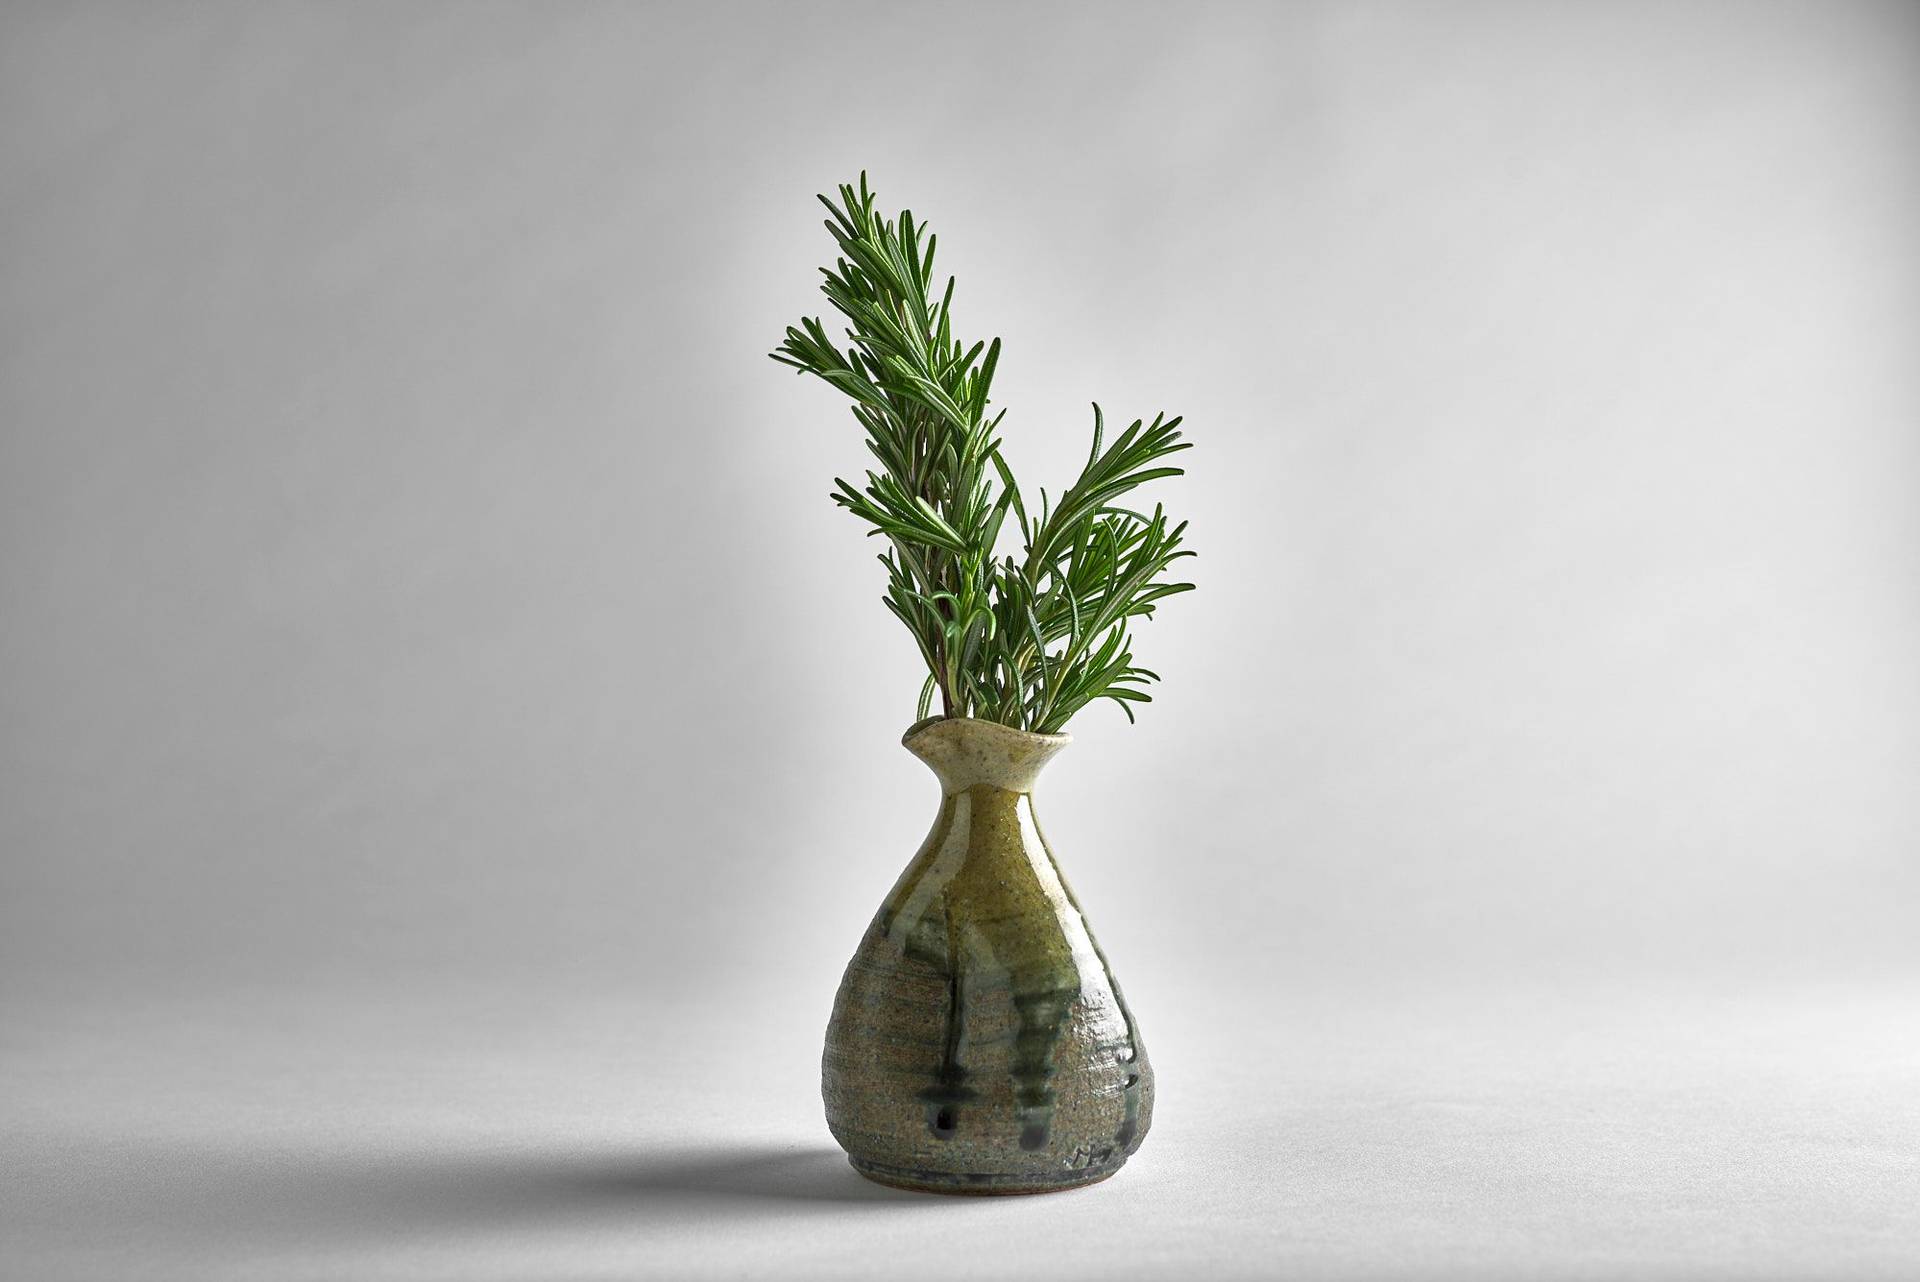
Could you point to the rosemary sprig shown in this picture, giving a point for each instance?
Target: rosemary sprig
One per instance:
(1026, 640)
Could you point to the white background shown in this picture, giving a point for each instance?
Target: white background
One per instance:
(448, 740)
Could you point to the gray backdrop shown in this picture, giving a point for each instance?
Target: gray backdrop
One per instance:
(448, 739)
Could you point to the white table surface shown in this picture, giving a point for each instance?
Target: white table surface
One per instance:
(273, 1134)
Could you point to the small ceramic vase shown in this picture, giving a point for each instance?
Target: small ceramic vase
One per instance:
(979, 1043)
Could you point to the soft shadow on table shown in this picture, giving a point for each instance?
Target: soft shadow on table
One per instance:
(386, 1190)
(225, 1206)
(740, 1173)
(739, 1180)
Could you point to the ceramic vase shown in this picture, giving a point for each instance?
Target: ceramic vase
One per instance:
(979, 1043)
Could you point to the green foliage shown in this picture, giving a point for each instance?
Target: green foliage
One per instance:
(1028, 639)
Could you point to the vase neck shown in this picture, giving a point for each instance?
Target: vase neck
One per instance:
(966, 753)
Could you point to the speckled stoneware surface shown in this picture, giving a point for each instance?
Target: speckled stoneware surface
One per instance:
(979, 1043)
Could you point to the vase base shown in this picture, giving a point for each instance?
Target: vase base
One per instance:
(920, 1181)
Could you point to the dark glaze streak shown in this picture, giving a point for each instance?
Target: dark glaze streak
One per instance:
(1043, 1017)
(1130, 1124)
(949, 1089)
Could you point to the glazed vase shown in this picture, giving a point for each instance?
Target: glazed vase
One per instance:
(979, 1043)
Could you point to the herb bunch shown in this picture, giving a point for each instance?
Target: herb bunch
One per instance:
(1028, 639)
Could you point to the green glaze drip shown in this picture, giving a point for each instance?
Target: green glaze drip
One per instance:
(1128, 1055)
(981, 937)
(1043, 1016)
(1036, 968)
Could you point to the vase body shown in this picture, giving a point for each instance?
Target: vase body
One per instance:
(979, 1043)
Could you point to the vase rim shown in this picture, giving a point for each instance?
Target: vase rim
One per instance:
(918, 728)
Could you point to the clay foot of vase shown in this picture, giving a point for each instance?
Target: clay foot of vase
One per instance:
(921, 1181)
